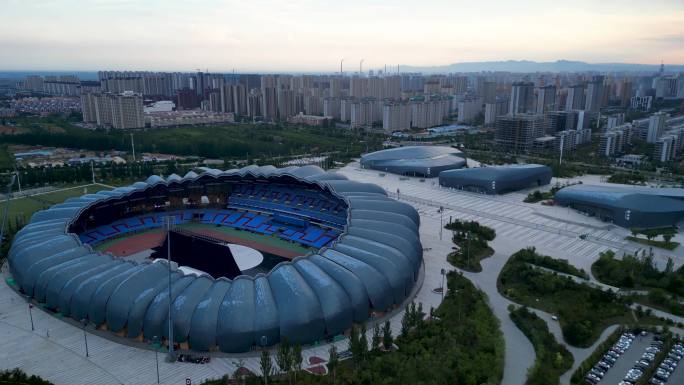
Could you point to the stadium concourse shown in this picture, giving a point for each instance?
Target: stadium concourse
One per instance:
(365, 257)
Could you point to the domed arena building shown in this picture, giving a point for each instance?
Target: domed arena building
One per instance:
(419, 161)
(626, 206)
(497, 179)
(256, 255)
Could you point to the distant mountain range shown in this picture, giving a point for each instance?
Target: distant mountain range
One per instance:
(533, 66)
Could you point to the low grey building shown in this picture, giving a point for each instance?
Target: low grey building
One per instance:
(626, 206)
(497, 179)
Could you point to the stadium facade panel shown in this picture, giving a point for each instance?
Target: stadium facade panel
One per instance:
(421, 161)
(371, 267)
(626, 206)
(497, 179)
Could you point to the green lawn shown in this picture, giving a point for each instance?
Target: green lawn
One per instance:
(249, 236)
(660, 244)
(23, 208)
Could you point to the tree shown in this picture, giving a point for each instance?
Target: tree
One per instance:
(333, 361)
(419, 315)
(406, 322)
(667, 237)
(355, 346)
(377, 339)
(634, 231)
(266, 366)
(296, 360)
(283, 356)
(387, 338)
(239, 364)
(363, 343)
(670, 265)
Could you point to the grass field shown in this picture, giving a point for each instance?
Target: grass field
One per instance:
(249, 236)
(25, 207)
(649, 242)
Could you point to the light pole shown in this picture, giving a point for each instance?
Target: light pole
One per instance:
(441, 223)
(169, 219)
(31, 316)
(443, 272)
(155, 343)
(467, 235)
(85, 337)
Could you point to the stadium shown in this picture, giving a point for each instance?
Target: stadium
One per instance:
(497, 179)
(257, 255)
(418, 161)
(626, 206)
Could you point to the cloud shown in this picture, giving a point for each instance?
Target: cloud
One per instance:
(676, 38)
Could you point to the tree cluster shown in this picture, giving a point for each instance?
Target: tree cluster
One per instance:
(552, 358)
(583, 311)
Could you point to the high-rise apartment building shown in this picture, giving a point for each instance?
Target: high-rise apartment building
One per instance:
(269, 98)
(331, 107)
(546, 99)
(517, 133)
(119, 111)
(575, 99)
(664, 149)
(595, 95)
(494, 110)
(522, 98)
(468, 110)
(396, 117)
(656, 127)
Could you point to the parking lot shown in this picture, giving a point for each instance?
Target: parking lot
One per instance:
(678, 375)
(627, 360)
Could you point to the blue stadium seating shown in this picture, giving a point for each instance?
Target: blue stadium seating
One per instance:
(298, 215)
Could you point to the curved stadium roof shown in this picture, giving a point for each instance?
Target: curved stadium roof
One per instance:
(497, 179)
(372, 265)
(627, 206)
(426, 161)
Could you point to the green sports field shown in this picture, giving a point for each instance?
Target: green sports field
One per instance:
(23, 208)
(247, 236)
(252, 237)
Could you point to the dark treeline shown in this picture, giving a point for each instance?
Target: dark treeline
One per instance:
(236, 141)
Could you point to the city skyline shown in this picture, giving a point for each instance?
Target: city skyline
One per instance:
(309, 36)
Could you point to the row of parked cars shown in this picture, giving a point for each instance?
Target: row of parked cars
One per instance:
(667, 365)
(609, 358)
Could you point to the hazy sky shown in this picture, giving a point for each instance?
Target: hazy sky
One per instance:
(309, 35)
